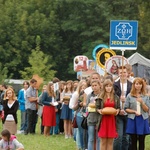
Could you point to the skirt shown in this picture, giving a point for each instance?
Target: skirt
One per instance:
(66, 112)
(11, 126)
(138, 126)
(49, 116)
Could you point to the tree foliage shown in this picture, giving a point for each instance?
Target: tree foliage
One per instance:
(39, 64)
(66, 28)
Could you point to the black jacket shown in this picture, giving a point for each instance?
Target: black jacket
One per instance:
(12, 110)
(117, 88)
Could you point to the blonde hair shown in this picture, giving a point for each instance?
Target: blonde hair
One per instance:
(13, 94)
(50, 91)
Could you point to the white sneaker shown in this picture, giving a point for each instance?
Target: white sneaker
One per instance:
(66, 137)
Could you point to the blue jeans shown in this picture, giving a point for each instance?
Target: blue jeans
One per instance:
(23, 120)
(91, 136)
(81, 131)
(122, 142)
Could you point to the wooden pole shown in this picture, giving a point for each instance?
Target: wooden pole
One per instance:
(122, 93)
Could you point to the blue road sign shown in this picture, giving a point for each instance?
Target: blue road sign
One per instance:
(123, 34)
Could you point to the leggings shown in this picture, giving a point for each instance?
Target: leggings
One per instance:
(140, 138)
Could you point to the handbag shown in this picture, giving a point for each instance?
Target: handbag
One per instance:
(74, 122)
(84, 123)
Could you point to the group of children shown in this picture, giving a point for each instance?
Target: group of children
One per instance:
(117, 112)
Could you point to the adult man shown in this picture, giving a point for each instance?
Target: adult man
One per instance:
(31, 102)
(122, 88)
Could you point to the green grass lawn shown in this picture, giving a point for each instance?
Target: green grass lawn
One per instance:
(54, 142)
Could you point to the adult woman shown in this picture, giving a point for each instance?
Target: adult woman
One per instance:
(107, 127)
(137, 105)
(9, 141)
(49, 115)
(10, 105)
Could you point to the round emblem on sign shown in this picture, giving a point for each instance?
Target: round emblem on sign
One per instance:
(103, 55)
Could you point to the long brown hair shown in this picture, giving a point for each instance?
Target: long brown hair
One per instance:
(69, 82)
(103, 94)
(143, 89)
(50, 90)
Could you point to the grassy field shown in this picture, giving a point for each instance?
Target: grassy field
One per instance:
(54, 142)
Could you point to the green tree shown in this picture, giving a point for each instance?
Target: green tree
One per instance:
(39, 64)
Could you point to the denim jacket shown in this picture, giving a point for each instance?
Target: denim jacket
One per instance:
(130, 103)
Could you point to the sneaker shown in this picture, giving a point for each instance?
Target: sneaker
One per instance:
(69, 136)
(66, 137)
(20, 131)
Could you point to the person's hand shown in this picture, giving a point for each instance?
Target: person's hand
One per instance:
(122, 112)
(117, 112)
(137, 114)
(122, 98)
(100, 111)
(139, 99)
(51, 104)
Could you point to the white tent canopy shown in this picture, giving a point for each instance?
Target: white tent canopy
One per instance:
(137, 58)
(140, 66)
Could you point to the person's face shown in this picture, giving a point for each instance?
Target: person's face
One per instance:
(69, 85)
(25, 85)
(52, 87)
(34, 84)
(75, 84)
(95, 87)
(123, 73)
(95, 77)
(4, 138)
(138, 86)
(9, 94)
(108, 88)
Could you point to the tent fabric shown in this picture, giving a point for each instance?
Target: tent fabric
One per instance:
(137, 58)
(140, 66)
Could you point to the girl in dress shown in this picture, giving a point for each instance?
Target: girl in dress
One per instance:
(137, 105)
(10, 105)
(66, 113)
(107, 129)
(49, 115)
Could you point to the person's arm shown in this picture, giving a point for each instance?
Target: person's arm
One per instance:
(74, 100)
(30, 98)
(143, 104)
(18, 145)
(21, 97)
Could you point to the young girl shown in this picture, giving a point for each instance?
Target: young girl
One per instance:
(137, 105)
(107, 129)
(93, 115)
(9, 142)
(76, 103)
(66, 113)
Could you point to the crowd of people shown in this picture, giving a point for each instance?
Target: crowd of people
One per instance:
(117, 110)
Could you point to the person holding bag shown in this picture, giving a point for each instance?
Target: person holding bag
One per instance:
(108, 106)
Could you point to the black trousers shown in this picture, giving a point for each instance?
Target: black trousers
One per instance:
(32, 120)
